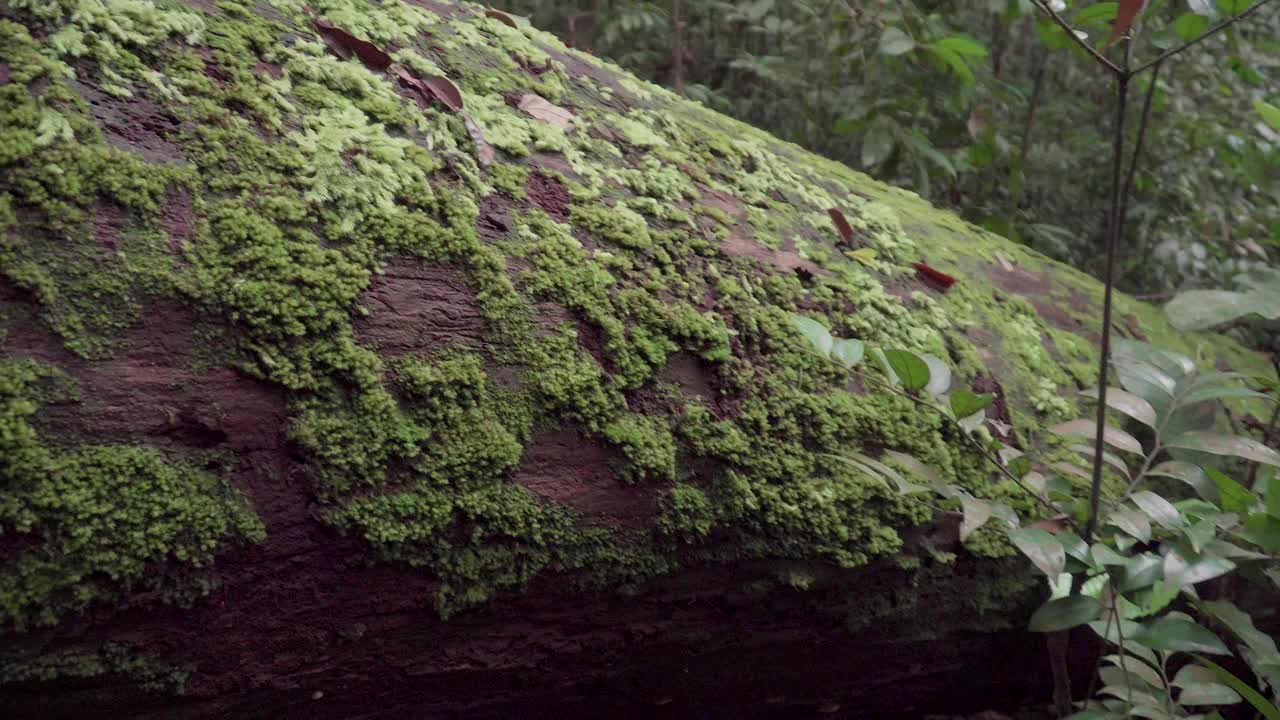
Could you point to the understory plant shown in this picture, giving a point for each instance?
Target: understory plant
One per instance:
(1172, 527)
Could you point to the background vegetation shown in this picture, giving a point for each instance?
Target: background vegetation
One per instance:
(985, 106)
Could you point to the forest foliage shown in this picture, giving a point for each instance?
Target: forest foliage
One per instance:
(987, 107)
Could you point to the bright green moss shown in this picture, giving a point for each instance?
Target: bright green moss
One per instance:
(647, 447)
(618, 225)
(100, 517)
(510, 179)
(306, 185)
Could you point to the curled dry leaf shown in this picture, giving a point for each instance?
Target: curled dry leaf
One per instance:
(432, 87)
(484, 151)
(538, 107)
(344, 45)
(842, 225)
(501, 17)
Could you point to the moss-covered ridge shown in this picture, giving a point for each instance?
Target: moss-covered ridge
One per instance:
(658, 229)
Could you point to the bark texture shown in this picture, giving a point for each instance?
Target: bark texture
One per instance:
(322, 396)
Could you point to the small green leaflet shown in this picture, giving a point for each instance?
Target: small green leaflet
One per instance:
(1042, 548)
(1189, 26)
(1127, 403)
(814, 332)
(910, 370)
(965, 403)
(1232, 496)
(1065, 613)
(1216, 444)
(1114, 437)
(1157, 508)
(1177, 634)
(849, 352)
(896, 42)
(1234, 7)
(1270, 113)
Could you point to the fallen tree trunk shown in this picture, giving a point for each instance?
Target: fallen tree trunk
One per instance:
(386, 360)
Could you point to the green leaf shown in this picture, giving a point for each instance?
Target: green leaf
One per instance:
(976, 514)
(1139, 572)
(876, 146)
(814, 331)
(1065, 613)
(1176, 634)
(911, 464)
(1189, 26)
(1241, 624)
(1203, 309)
(965, 403)
(1180, 571)
(953, 60)
(1136, 667)
(1232, 496)
(1234, 7)
(1127, 403)
(962, 45)
(848, 352)
(1264, 707)
(1271, 490)
(896, 42)
(1221, 392)
(939, 375)
(1042, 548)
(1132, 522)
(1109, 458)
(1114, 437)
(911, 371)
(1098, 13)
(1157, 508)
(1264, 531)
(1270, 113)
(1189, 474)
(1232, 445)
(1207, 694)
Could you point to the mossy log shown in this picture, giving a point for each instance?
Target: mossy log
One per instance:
(393, 359)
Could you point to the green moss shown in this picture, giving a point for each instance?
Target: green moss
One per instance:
(111, 659)
(620, 226)
(647, 447)
(306, 185)
(100, 517)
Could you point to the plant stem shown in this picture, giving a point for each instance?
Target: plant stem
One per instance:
(1113, 236)
(1206, 34)
(1138, 143)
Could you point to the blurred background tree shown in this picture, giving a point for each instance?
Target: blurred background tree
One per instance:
(982, 105)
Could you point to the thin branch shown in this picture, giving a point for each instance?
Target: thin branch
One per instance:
(1137, 148)
(1071, 33)
(1113, 240)
(1207, 33)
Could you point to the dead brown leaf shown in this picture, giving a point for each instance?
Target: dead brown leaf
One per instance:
(501, 17)
(485, 154)
(344, 45)
(538, 107)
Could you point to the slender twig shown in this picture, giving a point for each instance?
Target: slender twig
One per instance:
(1113, 238)
(1203, 36)
(677, 47)
(1071, 33)
(1025, 147)
(1138, 143)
